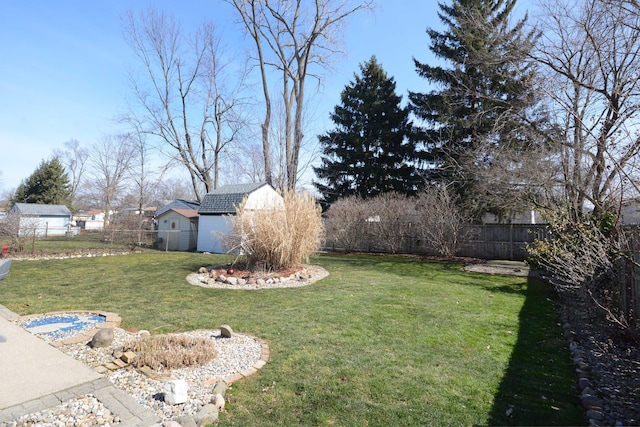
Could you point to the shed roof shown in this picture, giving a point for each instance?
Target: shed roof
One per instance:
(187, 213)
(41, 209)
(226, 199)
(179, 204)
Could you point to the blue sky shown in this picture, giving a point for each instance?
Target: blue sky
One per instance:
(64, 72)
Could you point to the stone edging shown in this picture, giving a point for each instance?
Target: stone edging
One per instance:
(313, 273)
(69, 256)
(593, 406)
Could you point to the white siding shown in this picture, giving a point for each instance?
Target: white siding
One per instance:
(176, 232)
(264, 198)
(210, 230)
(44, 225)
(630, 212)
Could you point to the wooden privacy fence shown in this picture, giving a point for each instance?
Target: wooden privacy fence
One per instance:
(627, 273)
(501, 241)
(489, 241)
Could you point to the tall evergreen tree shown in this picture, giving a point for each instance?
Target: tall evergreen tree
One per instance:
(370, 151)
(48, 184)
(483, 103)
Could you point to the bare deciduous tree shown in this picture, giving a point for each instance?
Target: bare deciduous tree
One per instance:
(188, 103)
(291, 38)
(74, 159)
(142, 176)
(109, 161)
(591, 53)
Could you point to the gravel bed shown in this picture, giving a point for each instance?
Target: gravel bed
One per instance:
(607, 365)
(235, 354)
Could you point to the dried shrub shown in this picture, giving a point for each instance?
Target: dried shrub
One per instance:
(389, 219)
(171, 351)
(587, 262)
(278, 238)
(346, 219)
(441, 223)
(576, 252)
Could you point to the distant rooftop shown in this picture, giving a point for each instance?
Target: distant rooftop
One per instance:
(179, 204)
(41, 209)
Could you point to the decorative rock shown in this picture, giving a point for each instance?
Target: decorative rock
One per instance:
(220, 388)
(171, 424)
(207, 415)
(221, 278)
(226, 331)
(102, 338)
(584, 383)
(242, 281)
(175, 392)
(260, 282)
(186, 421)
(232, 280)
(590, 402)
(595, 415)
(119, 362)
(218, 401)
(128, 357)
(203, 270)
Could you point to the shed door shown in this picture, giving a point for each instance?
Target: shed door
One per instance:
(173, 235)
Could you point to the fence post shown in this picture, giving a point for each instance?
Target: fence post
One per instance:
(510, 241)
(634, 281)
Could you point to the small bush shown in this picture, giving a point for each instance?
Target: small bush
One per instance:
(171, 351)
(576, 253)
(278, 238)
(441, 224)
(391, 214)
(346, 220)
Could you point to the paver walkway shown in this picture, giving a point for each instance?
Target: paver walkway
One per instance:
(35, 376)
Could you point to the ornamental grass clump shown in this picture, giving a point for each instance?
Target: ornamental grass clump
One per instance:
(279, 238)
(171, 351)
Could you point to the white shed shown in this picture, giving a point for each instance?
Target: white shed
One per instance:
(218, 205)
(178, 229)
(41, 220)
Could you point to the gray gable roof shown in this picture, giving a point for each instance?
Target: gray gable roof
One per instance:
(179, 204)
(41, 209)
(225, 199)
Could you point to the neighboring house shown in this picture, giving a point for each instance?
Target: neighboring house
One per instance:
(527, 217)
(630, 212)
(177, 229)
(41, 220)
(91, 221)
(218, 206)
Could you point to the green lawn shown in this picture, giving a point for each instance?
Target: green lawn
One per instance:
(382, 341)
